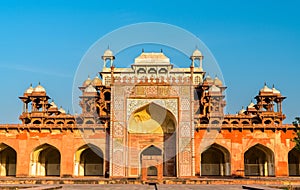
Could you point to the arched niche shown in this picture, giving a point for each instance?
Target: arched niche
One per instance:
(215, 161)
(89, 161)
(8, 160)
(259, 161)
(45, 161)
(294, 162)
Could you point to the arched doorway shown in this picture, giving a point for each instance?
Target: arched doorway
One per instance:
(152, 171)
(294, 162)
(259, 161)
(45, 161)
(151, 161)
(8, 160)
(154, 123)
(89, 161)
(215, 161)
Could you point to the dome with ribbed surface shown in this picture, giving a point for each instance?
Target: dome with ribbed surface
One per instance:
(251, 105)
(96, 81)
(265, 89)
(29, 90)
(39, 88)
(197, 53)
(87, 82)
(53, 105)
(61, 110)
(275, 91)
(218, 82)
(108, 53)
(242, 111)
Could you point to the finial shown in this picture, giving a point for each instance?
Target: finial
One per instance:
(265, 84)
(161, 50)
(30, 84)
(273, 86)
(196, 46)
(39, 83)
(68, 111)
(142, 50)
(107, 46)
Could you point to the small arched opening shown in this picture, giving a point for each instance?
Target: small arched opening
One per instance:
(8, 160)
(152, 171)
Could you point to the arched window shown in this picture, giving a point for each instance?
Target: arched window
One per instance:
(197, 80)
(162, 71)
(107, 81)
(141, 71)
(152, 71)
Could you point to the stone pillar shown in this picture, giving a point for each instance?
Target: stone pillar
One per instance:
(67, 158)
(237, 161)
(23, 159)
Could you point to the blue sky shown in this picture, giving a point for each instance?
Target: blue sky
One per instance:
(253, 41)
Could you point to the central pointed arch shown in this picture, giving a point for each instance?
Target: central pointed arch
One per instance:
(89, 161)
(153, 122)
(215, 161)
(45, 161)
(8, 160)
(259, 161)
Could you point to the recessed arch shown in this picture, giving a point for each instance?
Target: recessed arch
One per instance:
(89, 122)
(45, 161)
(162, 71)
(259, 161)
(235, 122)
(89, 161)
(204, 121)
(294, 162)
(70, 122)
(267, 122)
(245, 123)
(215, 122)
(8, 160)
(152, 118)
(215, 161)
(158, 121)
(36, 122)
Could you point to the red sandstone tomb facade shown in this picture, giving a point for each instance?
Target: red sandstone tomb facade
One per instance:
(149, 121)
